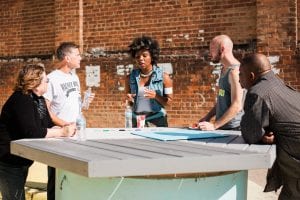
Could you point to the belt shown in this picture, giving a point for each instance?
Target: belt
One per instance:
(145, 113)
(151, 115)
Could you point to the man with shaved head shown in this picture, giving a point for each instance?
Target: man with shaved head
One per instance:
(272, 115)
(228, 109)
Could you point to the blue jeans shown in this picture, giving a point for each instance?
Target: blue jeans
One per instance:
(12, 181)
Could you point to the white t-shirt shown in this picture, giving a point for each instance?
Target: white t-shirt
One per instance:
(64, 94)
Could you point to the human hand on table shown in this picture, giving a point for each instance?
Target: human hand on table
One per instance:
(69, 130)
(268, 138)
(206, 126)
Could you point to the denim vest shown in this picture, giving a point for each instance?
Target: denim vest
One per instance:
(156, 83)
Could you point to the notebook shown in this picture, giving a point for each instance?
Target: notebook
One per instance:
(183, 134)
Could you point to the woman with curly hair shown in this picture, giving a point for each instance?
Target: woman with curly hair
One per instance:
(148, 88)
(24, 115)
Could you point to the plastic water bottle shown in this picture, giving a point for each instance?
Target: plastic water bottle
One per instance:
(80, 127)
(87, 94)
(128, 117)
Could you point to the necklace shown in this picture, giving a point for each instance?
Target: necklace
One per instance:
(146, 75)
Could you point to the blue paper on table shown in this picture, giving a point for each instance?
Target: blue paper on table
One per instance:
(178, 135)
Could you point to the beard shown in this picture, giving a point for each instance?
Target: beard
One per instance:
(217, 59)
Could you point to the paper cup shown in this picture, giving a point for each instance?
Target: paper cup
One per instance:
(140, 119)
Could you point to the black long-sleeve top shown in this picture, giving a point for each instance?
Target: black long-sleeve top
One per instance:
(22, 116)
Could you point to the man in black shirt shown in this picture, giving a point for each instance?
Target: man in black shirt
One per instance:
(272, 115)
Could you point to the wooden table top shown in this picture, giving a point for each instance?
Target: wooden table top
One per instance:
(113, 152)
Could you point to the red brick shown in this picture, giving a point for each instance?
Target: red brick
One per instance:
(35, 28)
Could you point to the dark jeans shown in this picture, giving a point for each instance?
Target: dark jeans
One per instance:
(158, 122)
(12, 181)
(290, 189)
(232, 129)
(51, 184)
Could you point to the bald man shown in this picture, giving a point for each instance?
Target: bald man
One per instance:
(228, 109)
(272, 115)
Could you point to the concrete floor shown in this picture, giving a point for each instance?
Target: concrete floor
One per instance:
(256, 183)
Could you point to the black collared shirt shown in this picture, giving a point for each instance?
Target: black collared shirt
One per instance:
(272, 106)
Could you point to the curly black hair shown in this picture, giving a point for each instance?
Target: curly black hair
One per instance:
(145, 43)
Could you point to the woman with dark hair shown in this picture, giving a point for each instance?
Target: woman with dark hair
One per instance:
(148, 88)
(24, 115)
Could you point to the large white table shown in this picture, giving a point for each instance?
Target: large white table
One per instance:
(114, 164)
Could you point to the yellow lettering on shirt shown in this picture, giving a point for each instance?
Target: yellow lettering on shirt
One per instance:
(221, 92)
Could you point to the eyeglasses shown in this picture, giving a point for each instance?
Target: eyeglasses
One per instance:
(45, 80)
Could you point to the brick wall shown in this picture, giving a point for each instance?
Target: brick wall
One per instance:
(26, 27)
(174, 23)
(277, 29)
(31, 30)
(68, 21)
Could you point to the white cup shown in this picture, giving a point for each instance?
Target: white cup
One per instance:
(140, 119)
